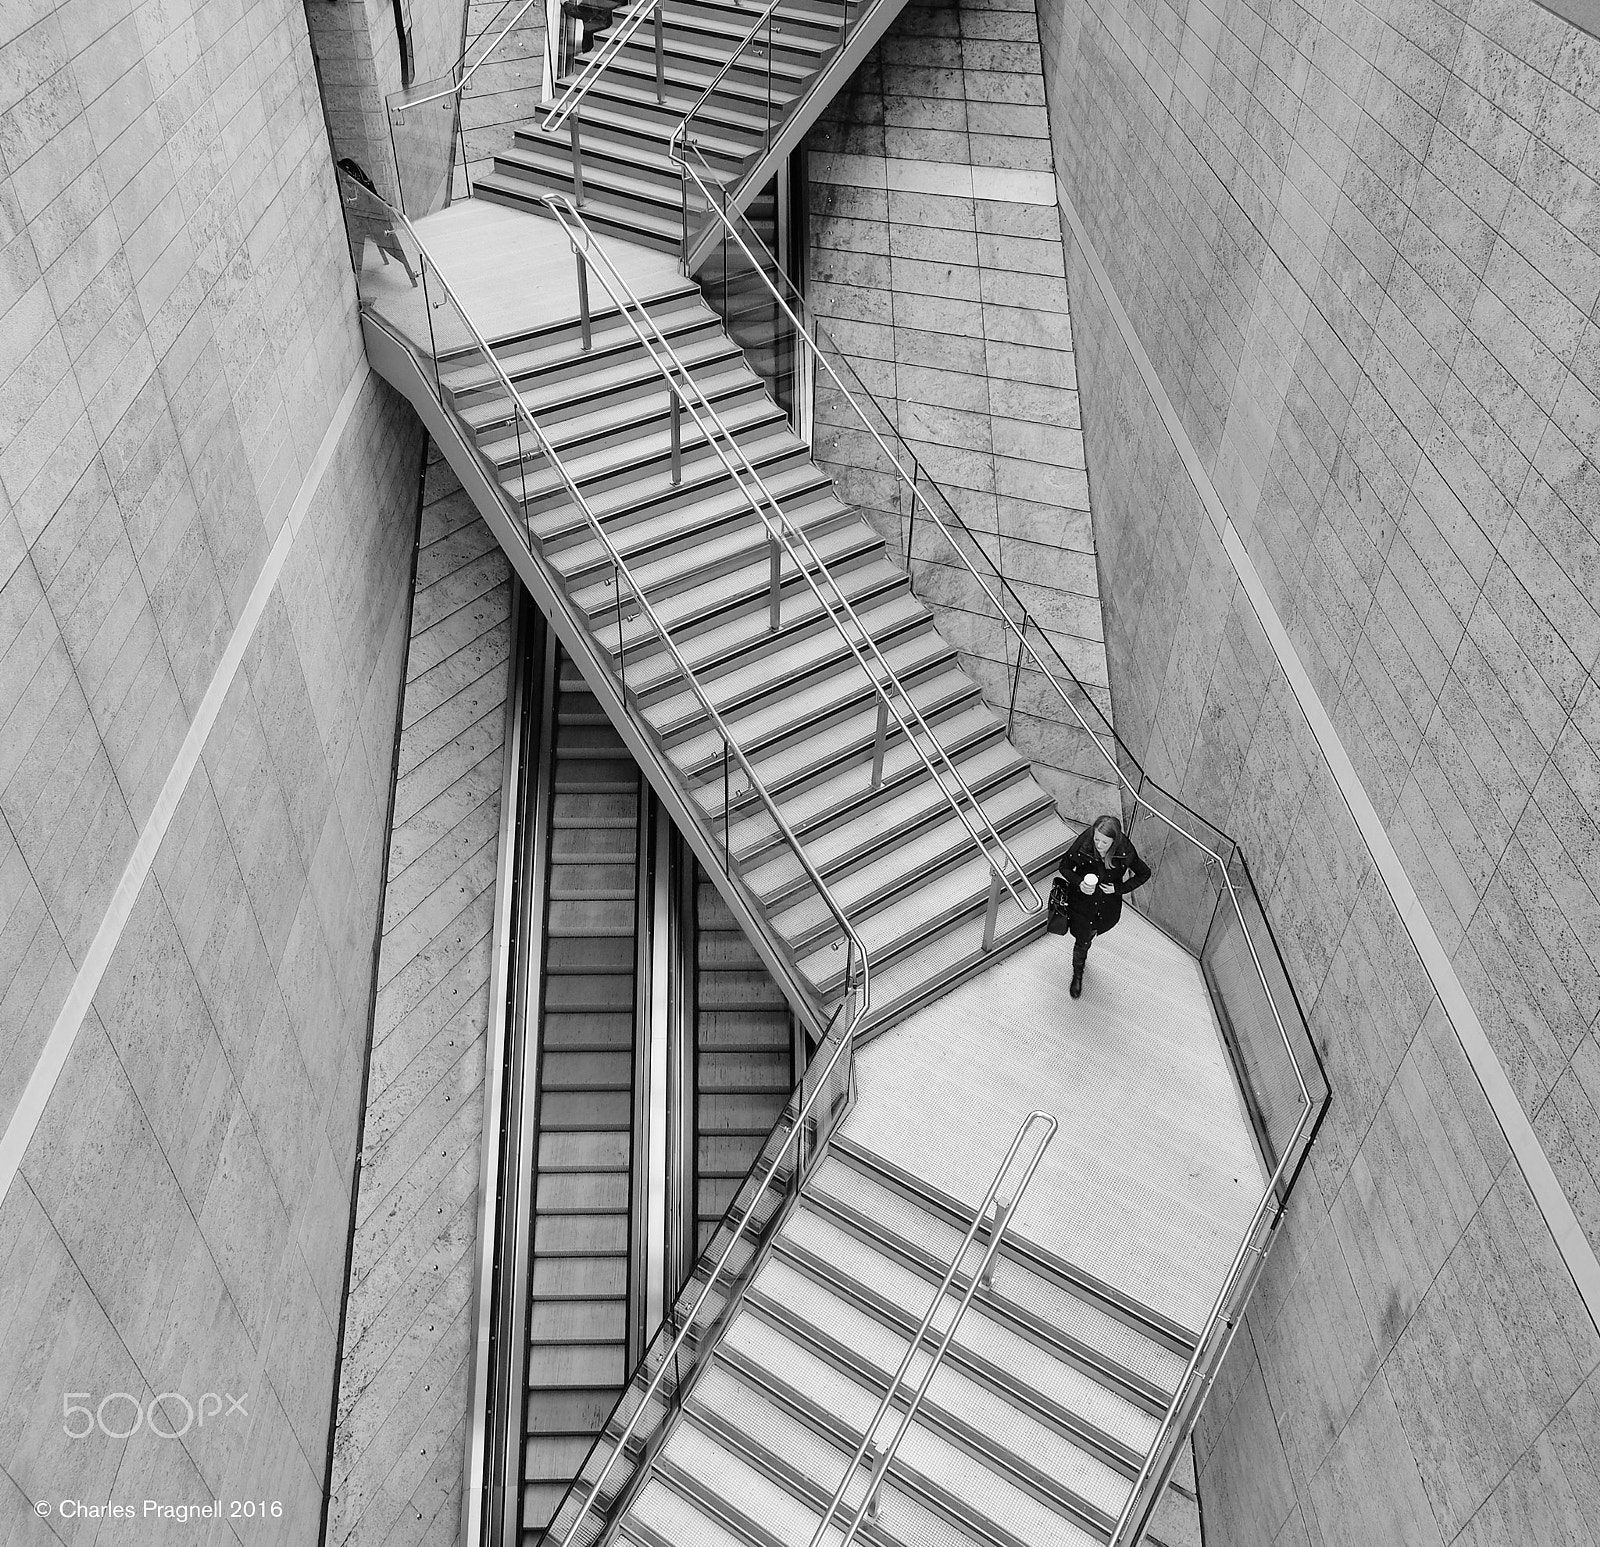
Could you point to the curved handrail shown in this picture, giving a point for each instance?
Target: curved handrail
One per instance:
(913, 483)
(884, 1458)
(677, 377)
(461, 85)
(578, 89)
(621, 569)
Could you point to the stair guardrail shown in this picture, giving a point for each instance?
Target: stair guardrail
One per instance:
(1211, 905)
(425, 149)
(786, 537)
(879, 1459)
(372, 219)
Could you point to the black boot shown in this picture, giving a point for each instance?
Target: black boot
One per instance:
(1076, 989)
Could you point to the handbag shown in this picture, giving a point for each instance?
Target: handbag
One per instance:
(1060, 920)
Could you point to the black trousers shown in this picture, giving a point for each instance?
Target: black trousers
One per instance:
(1080, 950)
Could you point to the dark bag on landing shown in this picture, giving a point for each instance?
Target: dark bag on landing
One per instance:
(1060, 920)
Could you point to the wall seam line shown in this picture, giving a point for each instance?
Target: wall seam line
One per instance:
(25, 1118)
(1514, 1121)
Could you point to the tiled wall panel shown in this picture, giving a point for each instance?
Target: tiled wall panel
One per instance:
(1360, 247)
(179, 328)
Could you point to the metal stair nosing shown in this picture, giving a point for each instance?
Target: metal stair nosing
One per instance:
(828, 1426)
(915, 873)
(395, 361)
(1090, 1361)
(833, 658)
(1141, 1318)
(1115, 1454)
(902, 1476)
(861, 848)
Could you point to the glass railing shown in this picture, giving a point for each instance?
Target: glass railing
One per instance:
(426, 128)
(1201, 894)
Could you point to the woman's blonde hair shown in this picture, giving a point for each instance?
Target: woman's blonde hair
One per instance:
(1108, 825)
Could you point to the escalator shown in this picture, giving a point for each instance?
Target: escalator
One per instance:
(578, 1351)
(627, 966)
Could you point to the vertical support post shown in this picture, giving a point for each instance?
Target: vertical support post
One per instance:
(675, 414)
(583, 297)
(870, 1456)
(622, 649)
(911, 534)
(577, 160)
(661, 56)
(766, 136)
(774, 581)
(992, 914)
(1002, 1217)
(1016, 672)
(727, 851)
(880, 743)
(683, 229)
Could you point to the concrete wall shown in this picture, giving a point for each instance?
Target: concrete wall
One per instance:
(207, 513)
(935, 267)
(1361, 251)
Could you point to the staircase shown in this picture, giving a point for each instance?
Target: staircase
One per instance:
(1032, 1430)
(744, 1057)
(578, 1355)
(630, 186)
(795, 698)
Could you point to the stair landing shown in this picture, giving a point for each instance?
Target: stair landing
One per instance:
(1154, 1174)
(513, 271)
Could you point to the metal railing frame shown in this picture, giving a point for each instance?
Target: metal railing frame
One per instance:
(469, 72)
(1242, 1271)
(571, 99)
(678, 378)
(621, 570)
(881, 1460)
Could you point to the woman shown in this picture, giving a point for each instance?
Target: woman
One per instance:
(1101, 867)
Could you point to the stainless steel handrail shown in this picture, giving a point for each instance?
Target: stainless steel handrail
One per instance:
(980, 1275)
(722, 74)
(847, 1040)
(1267, 1202)
(615, 42)
(621, 569)
(912, 482)
(460, 86)
(678, 379)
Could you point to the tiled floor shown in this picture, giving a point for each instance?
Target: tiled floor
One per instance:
(1153, 1175)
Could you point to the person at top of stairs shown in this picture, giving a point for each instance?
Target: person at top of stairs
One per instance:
(1100, 868)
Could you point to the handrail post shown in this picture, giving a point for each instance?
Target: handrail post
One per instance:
(583, 297)
(661, 56)
(880, 743)
(991, 915)
(1016, 677)
(1002, 1218)
(727, 845)
(675, 411)
(774, 583)
(577, 160)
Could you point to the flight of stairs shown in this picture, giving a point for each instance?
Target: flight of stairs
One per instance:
(744, 1057)
(895, 855)
(577, 1321)
(1030, 1435)
(631, 187)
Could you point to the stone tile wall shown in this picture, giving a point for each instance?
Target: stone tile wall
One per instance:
(935, 267)
(179, 328)
(1361, 248)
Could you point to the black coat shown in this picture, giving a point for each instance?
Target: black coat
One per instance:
(1122, 871)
